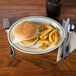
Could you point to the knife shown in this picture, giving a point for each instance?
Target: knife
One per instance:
(64, 42)
(6, 27)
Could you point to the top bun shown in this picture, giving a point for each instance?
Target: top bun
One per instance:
(25, 30)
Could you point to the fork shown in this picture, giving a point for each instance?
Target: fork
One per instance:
(6, 27)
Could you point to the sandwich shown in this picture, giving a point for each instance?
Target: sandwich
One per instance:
(26, 34)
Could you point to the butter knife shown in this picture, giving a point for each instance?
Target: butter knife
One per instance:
(64, 42)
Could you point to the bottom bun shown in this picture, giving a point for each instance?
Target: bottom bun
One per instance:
(28, 44)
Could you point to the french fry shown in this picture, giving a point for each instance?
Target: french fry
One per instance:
(50, 35)
(39, 41)
(53, 36)
(46, 42)
(49, 26)
(46, 32)
(42, 32)
(43, 46)
(45, 37)
(52, 26)
(56, 39)
(42, 41)
(42, 27)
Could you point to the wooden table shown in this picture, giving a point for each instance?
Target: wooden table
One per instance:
(23, 64)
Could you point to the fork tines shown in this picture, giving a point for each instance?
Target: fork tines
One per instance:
(6, 23)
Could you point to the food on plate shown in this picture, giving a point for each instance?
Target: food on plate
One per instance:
(41, 32)
(49, 26)
(56, 39)
(43, 46)
(51, 38)
(48, 35)
(45, 37)
(43, 41)
(26, 33)
(46, 32)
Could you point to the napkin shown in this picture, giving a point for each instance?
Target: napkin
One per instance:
(72, 46)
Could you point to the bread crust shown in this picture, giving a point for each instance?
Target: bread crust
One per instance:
(25, 30)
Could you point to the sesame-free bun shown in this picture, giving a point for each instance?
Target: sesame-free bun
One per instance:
(25, 30)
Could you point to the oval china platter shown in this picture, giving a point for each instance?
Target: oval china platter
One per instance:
(38, 20)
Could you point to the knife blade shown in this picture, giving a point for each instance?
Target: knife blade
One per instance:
(64, 42)
(66, 26)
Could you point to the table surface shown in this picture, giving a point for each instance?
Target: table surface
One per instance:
(23, 64)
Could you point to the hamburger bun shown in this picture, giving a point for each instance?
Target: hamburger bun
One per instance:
(25, 31)
(26, 34)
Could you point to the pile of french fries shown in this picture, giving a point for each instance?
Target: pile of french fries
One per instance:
(48, 35)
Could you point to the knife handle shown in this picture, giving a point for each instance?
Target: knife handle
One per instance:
(67, 50)
(68, 45)
(63, 50)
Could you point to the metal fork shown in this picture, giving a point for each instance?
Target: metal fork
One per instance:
(6, 27)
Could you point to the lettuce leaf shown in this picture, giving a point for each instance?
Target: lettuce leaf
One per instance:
(37, 34)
